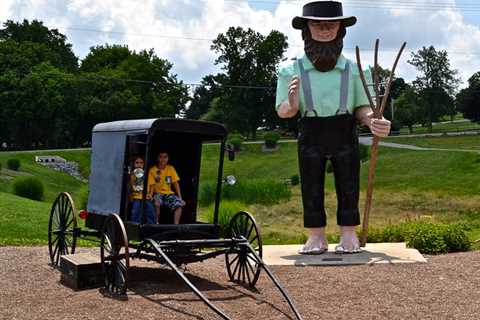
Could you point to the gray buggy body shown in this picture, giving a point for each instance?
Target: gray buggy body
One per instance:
(114, 144)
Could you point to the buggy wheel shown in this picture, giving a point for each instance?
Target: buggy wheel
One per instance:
(242, 265)
(114, 255)
(62, 228)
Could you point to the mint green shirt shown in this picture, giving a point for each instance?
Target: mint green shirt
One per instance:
(325, 86)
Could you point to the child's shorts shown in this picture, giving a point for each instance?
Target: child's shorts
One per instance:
(169, 200)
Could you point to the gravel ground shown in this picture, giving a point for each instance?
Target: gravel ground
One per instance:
(447, 287)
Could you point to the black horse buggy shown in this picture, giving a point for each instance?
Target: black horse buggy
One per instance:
(107, 217)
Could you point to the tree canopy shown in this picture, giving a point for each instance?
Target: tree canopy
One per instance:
(468, 99)
(49, 101)
(243, 96)
(436, 83)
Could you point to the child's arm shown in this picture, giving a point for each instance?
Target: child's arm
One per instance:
(176, 186)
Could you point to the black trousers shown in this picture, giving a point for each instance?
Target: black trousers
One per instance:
(334, 139)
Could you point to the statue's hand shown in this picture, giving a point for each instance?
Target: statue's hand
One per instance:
(379, 127)
(293, 93)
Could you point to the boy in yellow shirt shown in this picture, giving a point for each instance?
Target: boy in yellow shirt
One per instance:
(161, 178)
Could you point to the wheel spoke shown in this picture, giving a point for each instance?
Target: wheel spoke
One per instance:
(243, 272)
(235, 269)
(250, 231)
(68, 225)
(54, 241)
(239, 270)
(246, 224)
(248, 273)
(233, 260)
(251, 268)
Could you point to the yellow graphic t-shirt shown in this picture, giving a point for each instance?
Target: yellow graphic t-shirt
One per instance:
(161, 180)
(136, 187)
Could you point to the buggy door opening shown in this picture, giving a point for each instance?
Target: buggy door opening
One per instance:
(185, 155)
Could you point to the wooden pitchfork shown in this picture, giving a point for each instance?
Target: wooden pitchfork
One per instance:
(378, 107)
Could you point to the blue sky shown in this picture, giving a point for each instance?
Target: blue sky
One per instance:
(145, 24)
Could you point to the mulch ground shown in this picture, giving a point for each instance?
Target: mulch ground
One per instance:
(447, 287)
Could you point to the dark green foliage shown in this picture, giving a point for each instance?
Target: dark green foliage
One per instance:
(49, 102)
(248, 58)
(225, 214)
(258, 191)
(426, 237)
(50, 45)
(467, 99)
(295, 179)
(435, 85)
(28, 187)
(13, 164)
(236, 140)
(271, 139)
(456, 239)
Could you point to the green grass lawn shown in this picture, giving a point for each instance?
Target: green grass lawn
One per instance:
(22, 221)
(410, 185)
(54, 181)
(448, 142)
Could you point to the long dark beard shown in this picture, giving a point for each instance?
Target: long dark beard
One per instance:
(323, 55)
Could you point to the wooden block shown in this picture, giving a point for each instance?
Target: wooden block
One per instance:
(81, 271)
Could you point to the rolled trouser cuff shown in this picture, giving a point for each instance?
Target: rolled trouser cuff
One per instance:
(317, 219)
(348, 217)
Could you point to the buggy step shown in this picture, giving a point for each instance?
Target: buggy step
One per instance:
(81, 271)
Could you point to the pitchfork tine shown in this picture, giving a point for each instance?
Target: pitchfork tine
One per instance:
(364, 82)
(389, 85)
(376, 79)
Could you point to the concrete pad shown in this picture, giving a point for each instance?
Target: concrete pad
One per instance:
(373, 253)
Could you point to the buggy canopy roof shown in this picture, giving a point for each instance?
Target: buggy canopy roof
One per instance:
(109, 142)
(177, 125)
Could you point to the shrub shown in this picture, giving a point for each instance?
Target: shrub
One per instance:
(426, 237)
(13, 164)
(225, 214)
(271, 139)
(28, 187)
(456, 238)
(295, 180)
(236, 140)
(261, 191)
(396, 125)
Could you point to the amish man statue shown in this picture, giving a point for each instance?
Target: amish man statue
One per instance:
(326, 89)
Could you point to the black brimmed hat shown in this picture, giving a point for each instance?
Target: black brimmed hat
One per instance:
(323, 11)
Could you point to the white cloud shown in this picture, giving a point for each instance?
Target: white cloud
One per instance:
(444, 28)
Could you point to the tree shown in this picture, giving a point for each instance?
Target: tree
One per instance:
(128, 85)
(203, 96)
(407, 109)
(436, 83)
(468, 99)
(249, 60)
(48, 101)
(49, 39)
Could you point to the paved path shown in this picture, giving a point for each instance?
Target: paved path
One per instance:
(368, 141)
